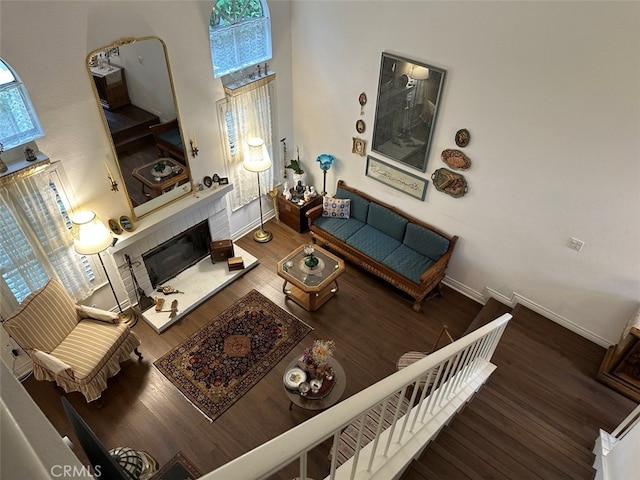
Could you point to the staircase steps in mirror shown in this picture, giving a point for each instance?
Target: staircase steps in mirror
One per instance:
(129, 126)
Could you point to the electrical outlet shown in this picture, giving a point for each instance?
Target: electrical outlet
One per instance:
(575, 244)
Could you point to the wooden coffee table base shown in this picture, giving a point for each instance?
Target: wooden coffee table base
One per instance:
(310, 301)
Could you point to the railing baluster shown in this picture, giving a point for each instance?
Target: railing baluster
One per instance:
(303, 466)
(442, 379)
(374, 447)
(358, 446)
(334, 454)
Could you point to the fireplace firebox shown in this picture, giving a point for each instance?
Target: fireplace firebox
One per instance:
(177, 254)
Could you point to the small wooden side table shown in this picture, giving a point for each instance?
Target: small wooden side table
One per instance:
(310, 287)
(293, 215)
(146, 177)
(339, 386)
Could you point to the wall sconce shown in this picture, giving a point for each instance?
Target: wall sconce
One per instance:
(193, 142)
(114, 184)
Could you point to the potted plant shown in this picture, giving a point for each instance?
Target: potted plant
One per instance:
(298, 172)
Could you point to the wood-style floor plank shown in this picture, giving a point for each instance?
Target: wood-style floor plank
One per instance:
(372, 324)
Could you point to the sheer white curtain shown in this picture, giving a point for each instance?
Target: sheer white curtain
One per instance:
(36, 240)
(248, 114)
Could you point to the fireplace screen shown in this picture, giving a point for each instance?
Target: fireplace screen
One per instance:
(177, 254)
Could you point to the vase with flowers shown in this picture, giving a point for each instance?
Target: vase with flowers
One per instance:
(315, 359)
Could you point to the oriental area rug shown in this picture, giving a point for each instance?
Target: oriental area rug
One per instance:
(178, 468)
(223, 360)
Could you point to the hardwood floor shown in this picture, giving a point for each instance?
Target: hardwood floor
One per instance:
(372, 324)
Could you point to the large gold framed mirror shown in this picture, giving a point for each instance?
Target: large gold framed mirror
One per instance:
(134, 89)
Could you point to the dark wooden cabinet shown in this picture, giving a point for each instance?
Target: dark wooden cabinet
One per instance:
(111, 86)
(293, 215)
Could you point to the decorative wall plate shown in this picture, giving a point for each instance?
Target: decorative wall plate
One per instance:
(455, 159)
(360, 126)
(449, 182)
(462, 137)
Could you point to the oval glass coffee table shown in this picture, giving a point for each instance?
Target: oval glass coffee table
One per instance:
(325, 399)
(311, 286)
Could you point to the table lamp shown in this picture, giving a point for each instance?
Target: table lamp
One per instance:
(325, 160)
(256, 159)
(90, 237)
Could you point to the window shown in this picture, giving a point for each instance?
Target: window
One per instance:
(36, 242)
(243, 115)
(18, 121)
(239, 35)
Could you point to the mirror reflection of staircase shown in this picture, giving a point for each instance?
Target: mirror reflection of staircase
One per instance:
(134, 143)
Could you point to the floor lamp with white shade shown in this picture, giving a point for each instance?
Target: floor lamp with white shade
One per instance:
(90, 237)
(256, 159)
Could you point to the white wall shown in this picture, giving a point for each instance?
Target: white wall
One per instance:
(549, 92)
(52, 63)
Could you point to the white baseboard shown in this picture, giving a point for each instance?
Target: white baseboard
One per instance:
(516, 299)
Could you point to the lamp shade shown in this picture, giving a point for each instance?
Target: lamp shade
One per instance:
(325, 160)
(419, 72)
(256, 156)
(90, 235)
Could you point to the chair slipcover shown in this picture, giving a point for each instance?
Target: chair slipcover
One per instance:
(77, 352)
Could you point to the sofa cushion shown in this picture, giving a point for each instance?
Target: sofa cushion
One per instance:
(373, 242)
(408, 263)
(44, 318)
(425, 241)
(359, 205)
(336, 207)
(172, 137)
(341, 229)
(387, 221)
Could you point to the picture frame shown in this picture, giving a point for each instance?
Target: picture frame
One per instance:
(224, 181)
(360, 126)
(114, 226)
(396, 178)
(358, 146)
(409, 97)
(127, 224)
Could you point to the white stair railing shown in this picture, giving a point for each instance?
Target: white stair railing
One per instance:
(455, 373)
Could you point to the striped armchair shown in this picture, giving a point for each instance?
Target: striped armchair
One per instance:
(76, 346)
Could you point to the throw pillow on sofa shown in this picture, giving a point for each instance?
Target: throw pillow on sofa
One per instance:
(336, 207)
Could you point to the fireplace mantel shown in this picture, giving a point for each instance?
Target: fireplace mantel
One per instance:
(155, 221)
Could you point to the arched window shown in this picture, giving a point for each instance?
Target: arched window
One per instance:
(239, 35)
(18, 120)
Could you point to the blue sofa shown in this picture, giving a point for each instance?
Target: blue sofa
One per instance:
(409, 254)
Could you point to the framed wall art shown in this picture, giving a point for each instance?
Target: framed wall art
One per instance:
(409, 95)
(396, 178)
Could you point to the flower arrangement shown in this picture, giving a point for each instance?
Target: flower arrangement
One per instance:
(317, 356)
